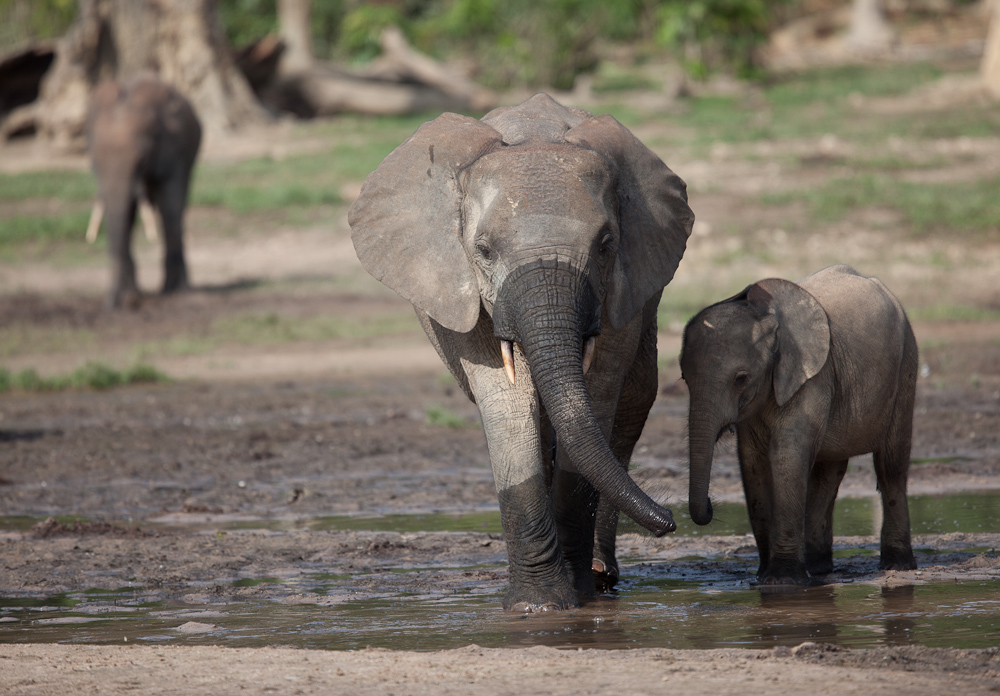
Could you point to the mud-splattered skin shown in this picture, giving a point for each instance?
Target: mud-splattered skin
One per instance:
(143, 138)
(809, 375)
(534, 245)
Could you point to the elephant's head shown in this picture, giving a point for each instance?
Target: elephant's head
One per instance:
(551, 220)
(740, 356)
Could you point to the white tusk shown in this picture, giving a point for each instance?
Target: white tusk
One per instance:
(507, 352)
(94, 226)
(588, 353)
(148, 219)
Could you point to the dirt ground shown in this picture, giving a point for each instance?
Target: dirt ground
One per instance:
(189, 486)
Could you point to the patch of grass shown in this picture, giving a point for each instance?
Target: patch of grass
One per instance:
(273, 328)
(303, 180)
(439, 415)
(836, 84)
(613, 78)
(947, 312)
(64, 185)
(91, 375)
(965, 207)
(45, 228)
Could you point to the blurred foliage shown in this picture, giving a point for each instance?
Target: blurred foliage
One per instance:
(31, 20)
(708, 34)
(90, 375)
(525, 43)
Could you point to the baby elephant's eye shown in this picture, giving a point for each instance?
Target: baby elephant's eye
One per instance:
(607, 244)
(741, 379)
(484, 251)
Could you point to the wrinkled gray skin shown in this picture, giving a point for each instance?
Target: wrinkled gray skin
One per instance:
(542, 226)
(810, 374)
(143, 137)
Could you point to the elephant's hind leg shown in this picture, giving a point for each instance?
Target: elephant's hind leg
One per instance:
(171, 198)
(824, 482)
(637, 397)
(892, 466)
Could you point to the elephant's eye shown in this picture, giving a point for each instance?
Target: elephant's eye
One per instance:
(484, 251)
(740, 382)
(607, 244)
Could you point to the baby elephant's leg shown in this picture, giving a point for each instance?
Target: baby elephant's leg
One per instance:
(823, 485)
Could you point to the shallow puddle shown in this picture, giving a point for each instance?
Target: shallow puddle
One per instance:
(653, 612)
(929, 514)
(653, 609)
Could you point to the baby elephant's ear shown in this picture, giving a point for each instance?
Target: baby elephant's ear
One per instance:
(803, 333)
(654, 216)
(407, 225)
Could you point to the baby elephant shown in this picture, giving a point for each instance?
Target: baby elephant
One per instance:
(809, 374)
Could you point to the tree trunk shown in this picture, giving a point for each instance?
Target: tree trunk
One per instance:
(296, 34)
(990, 67)
(180, 41)
(869, 31)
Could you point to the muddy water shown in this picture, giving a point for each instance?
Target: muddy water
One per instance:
(654, 612)
(654, 608)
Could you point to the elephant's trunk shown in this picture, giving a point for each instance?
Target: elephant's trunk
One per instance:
(550, 309)
(703, 429)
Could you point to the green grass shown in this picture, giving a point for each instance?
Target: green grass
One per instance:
(91, 375)
(63, 185)
(439, 415)
(302, 180)
(814, 103)
(964, 207)
(44, 228)
(273, 328)
(949, 312)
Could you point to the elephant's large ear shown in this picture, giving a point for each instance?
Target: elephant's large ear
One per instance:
(803, 333)
(407, 226)
(654, 216)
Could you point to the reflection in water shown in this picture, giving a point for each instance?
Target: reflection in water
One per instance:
(897, 603)
(660, 612)
(793, 615)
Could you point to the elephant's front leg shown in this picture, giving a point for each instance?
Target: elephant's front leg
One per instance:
(539, 580)
(792, 451)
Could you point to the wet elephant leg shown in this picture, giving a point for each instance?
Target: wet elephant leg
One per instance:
(519, 441)
(792, 452)
(755, 470)
(637, 398)
(539, 580)
(824, 482)
(892, 465)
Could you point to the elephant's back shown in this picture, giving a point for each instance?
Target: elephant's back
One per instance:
(872, 348)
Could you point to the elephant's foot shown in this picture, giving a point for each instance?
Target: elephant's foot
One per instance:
(605, 575)
(124, 299)
(897, 559)
(537, 602)
(819, 564)
(777, 573)
(172, 285)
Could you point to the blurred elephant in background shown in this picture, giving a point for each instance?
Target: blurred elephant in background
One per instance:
(809, 374)
(534, 245)
(143, 138)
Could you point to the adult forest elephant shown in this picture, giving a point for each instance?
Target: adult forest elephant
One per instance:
(535, 244)
(143, 138)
